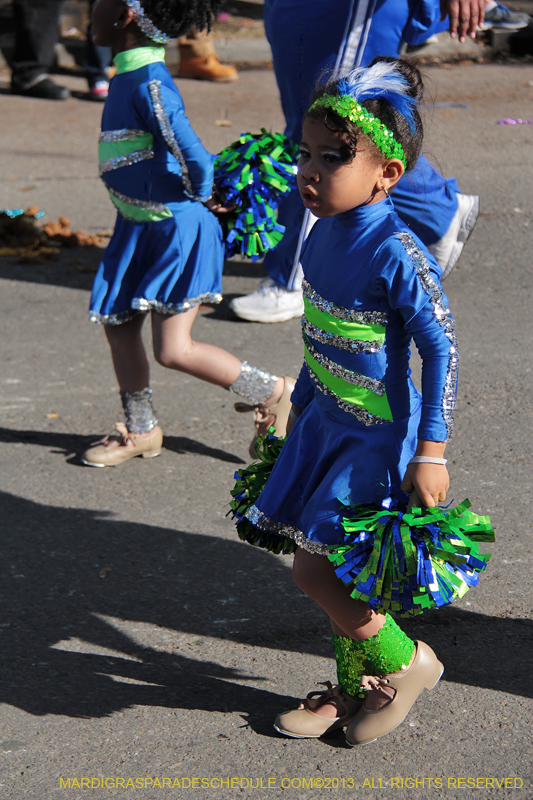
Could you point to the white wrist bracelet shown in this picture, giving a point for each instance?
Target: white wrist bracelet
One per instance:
(428, 460)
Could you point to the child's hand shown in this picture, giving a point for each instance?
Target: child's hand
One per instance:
(217, 202)
(465, 16)
(431, 481)
(214, 205)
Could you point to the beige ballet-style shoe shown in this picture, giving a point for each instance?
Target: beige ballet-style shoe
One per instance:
(276, 416)
(114, 450)
(424, 673)
(302, 723)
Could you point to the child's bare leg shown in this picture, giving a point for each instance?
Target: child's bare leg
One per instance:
(129, 355)
(132, 369)
(140, 435)
(350, 619)
(315, 576)
(176, 349)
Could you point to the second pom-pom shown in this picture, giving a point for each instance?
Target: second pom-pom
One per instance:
(254, 173)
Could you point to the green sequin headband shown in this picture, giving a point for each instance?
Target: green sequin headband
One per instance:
(347, 106)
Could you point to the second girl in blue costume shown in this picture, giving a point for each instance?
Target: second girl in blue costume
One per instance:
(361, 428)
(166, 253)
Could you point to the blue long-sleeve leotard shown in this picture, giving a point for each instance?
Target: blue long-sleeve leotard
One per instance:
(370, 287)
(166, 253)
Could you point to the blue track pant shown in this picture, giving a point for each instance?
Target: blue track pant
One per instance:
(309, 37)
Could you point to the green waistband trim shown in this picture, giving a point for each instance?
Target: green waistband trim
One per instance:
(108, 150)
(351, 330)
(139, 211)
(128, 60)
(375, 404)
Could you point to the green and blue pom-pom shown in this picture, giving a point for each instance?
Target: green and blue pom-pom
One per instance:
(255, 173)
(398, 561)
(249, 483)
(405, 562)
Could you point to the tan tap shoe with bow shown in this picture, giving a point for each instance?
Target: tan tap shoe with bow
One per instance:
(303, 723)
(114, 450)
(424, 673)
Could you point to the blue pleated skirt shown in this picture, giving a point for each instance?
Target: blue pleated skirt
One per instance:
(167, 266)
(331, 457)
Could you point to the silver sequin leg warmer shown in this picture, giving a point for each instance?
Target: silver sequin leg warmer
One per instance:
(139, 411)
(254, 384)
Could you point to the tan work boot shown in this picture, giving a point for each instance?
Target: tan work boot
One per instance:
(207, 68)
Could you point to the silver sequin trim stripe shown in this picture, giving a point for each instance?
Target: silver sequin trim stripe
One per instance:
(170, 138)
(148, 205)
(255, 385)
(340, 342)
(124, 161)
(268, 525)
(139, 411)
(348, 375)
(146, 25)
(444, 318)
(141, 304)
(121, 135)
(112, 319)
(361, 414)
(347, 314)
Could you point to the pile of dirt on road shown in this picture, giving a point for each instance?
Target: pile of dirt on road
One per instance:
(23, 236)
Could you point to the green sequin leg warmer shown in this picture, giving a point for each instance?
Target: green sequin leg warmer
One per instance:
(388, 651)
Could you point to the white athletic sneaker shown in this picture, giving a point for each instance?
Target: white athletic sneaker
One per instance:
(269, 303)
(448, 249)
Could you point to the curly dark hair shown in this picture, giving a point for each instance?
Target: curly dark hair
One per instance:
(177, 17)
(382, 109)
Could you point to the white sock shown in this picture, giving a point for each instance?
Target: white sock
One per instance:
(490, 5)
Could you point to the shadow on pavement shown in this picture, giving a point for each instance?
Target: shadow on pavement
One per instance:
(75, 268)
(72, 445)
(52, 561)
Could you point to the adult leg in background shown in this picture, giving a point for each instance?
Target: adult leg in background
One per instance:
(98, 60)
(36, 34)
(307, 39)
(199, 59)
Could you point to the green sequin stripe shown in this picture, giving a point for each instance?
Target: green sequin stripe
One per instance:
(138, 210)
(382, 137)
(390, 650)
(108, 150)
(358, 331)
(375, 404)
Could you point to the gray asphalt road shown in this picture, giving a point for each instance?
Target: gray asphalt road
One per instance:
(139, 639)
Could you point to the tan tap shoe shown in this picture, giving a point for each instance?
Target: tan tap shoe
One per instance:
(276, 416)
(302, 723)
(114, 450)
(207, 68)
(424, 673)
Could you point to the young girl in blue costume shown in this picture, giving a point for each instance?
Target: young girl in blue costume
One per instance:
(361, 429)
(166, 253)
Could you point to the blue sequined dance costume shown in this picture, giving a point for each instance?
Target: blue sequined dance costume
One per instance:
(166, 252)
(370, 286)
